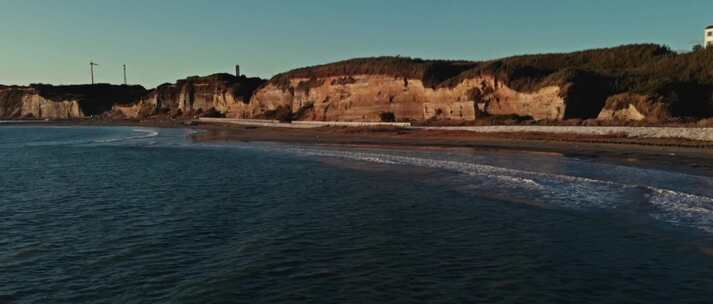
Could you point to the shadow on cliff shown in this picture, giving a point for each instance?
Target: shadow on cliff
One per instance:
(690, 100)
(586, 93)
(93, 99)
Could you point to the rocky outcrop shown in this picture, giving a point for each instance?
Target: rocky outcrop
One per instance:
(64, 102)
(636, 107)
(223, 93)
(25, 102)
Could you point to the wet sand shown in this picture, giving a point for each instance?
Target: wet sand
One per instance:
(667, 154)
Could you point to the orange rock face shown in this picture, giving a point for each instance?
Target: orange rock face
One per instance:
(220, 92)
(366, 97)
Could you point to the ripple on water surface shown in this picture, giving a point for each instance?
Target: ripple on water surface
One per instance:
(137, 215)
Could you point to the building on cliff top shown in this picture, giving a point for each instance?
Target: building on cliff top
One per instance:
(709, 36)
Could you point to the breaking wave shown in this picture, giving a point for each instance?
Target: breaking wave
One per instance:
(555, 190)
(72, 136)
(142, 134)
(666, 197)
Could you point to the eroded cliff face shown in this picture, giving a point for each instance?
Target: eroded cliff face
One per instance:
(36, 106)
(223, 93)
(366, 97)
(28, 103)
(64, 102)
(575, 85)
(219, 93)
(635, 82)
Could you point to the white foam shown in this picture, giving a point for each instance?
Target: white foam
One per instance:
(680, 208)
(674, 207)
(146, 133)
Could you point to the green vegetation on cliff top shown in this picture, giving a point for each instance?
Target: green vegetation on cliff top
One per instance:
(640, 68)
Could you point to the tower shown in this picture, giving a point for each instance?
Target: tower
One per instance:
(124, 66)
(91, 69)
(709, 37)
(237, 70)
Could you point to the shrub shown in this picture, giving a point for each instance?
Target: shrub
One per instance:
(281, 113)
(387, 117)
(213, 113)
(303, 112)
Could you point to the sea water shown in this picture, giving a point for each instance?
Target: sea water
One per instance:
(144, 215)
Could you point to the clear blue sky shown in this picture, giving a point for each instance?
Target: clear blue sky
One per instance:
(161, 41)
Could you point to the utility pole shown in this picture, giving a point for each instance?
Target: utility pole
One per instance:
(124, 74)
(91, 69)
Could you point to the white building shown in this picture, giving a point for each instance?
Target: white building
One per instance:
(709, 36)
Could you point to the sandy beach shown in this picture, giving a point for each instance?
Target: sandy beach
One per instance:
(664, 153)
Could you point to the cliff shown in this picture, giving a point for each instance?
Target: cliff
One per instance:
(218, 93)
(405, 89)
(368, 97)
(41, 101)
(644, 82)
(574, 85)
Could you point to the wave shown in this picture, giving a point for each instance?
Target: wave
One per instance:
(146, 133)
(680, 208)
(560, 190)
(60, 136)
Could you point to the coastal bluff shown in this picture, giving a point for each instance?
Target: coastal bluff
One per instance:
(645, 82)
(41, 101)
(642, 82)
(217, 94)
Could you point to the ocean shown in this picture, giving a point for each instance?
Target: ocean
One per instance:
(146, 215)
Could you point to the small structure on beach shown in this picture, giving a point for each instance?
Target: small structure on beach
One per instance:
(709, 36)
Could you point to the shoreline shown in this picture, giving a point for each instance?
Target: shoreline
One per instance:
(659, 153)
(664, 154)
